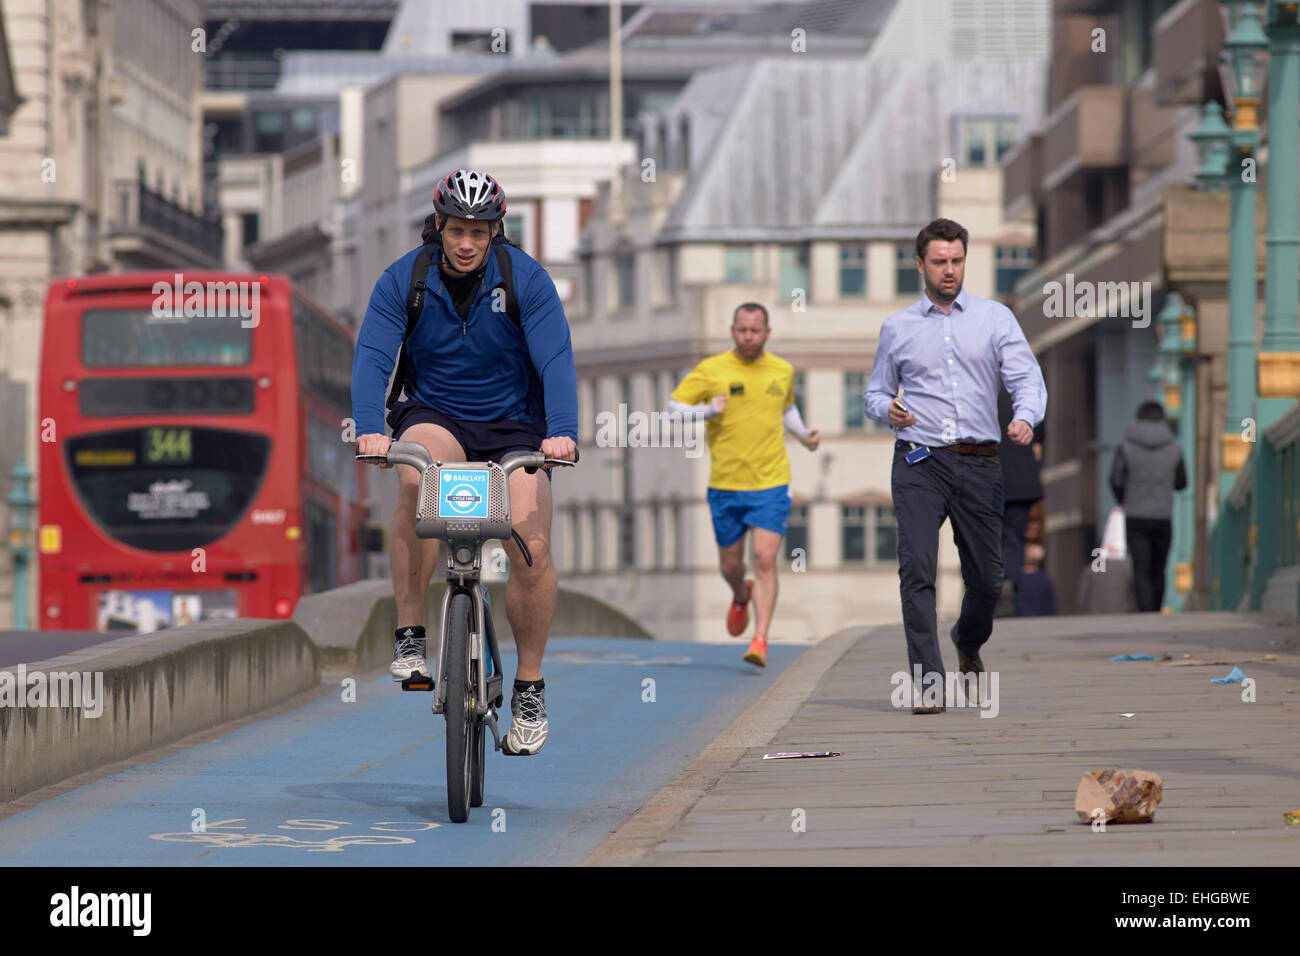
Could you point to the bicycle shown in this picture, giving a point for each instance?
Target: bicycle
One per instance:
(464, 504)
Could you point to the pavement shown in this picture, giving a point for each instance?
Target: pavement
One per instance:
(958, 788)
(18, 647)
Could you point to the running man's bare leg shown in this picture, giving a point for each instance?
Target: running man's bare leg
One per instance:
(415, 559)
(731, 561)
(530, 592)
(766, 545)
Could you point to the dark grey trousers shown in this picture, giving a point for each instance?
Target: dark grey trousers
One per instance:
(968, 490)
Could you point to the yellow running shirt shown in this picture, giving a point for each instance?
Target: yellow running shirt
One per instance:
(747, 441)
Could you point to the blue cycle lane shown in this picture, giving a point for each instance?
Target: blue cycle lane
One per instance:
(338, 783)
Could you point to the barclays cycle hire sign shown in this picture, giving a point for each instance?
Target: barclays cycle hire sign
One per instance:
(463, 494)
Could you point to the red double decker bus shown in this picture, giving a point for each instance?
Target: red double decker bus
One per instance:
(192, 461)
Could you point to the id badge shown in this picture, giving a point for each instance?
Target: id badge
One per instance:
(919, 453)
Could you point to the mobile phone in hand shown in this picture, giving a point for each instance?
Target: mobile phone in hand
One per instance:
(905, 410)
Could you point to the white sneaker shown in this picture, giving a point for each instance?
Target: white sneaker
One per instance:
(528, 722)
(408, 657)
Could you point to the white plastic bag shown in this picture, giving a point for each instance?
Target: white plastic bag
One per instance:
(1113, 542)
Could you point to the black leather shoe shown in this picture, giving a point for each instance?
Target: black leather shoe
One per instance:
(969, 663)
(928, 710)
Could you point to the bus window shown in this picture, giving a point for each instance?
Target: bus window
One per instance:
(125, 338)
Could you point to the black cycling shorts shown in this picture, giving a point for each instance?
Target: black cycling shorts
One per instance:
(482, 441)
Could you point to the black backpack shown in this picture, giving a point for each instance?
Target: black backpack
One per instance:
(415, 295)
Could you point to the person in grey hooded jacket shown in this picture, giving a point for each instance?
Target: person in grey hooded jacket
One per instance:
(1148, 469)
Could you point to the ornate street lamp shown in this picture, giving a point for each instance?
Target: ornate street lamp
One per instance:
(1212, 141)
(1244, 51)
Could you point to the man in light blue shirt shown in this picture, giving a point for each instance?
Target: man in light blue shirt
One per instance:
(935, 380)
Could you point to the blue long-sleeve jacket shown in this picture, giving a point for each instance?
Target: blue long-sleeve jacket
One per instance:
(478, 370)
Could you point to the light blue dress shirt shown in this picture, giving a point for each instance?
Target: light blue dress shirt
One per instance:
(949, 367)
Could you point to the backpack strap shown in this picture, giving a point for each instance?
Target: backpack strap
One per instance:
(507, 270)
(414, 306)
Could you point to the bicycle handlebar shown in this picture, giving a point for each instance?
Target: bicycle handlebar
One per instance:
(417, 456)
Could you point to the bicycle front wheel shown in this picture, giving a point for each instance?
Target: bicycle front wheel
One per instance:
(459, 709)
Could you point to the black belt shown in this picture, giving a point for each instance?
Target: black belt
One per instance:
(983, 449)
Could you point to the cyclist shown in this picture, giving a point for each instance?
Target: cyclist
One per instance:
(746, 395)
(478, 387)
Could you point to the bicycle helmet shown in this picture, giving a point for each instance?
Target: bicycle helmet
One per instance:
(469, 194)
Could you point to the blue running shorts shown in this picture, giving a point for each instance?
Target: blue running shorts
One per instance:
(735, 511)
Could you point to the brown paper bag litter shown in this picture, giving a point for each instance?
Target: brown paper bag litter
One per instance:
(1124, 796)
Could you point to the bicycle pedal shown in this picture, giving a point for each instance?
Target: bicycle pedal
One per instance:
(490, 721)
(418, 683)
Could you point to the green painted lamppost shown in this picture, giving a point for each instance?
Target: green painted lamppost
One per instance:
(22, 507)
(1177, 346)
(1170, 352)
(1279, 350)
(1219, 147)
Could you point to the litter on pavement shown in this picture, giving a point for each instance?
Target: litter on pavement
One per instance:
(1235, 676)
(1133, 657)
(1118, 796)
(820, 753)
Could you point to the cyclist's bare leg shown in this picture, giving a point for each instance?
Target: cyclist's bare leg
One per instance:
(732, 564)
(530, 593)
(414, 559)
(766, 545)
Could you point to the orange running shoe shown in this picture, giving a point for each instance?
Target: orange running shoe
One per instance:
(757, 651)
(738, 616)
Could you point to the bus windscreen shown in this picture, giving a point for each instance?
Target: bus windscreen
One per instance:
(125, 338)
(167, 488)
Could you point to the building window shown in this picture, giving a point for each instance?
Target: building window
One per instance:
(853, 270)
(909, 280)
(868, 530)
(679, 538)
(513, 227)
(1007, 132)
(625, 267)
(1012, 262)
(586, 413)
(627, 537)
(589, 284)
(800, 385)
(984, 140)
(739, 264)
(597, 542)
(668, 273)
(268, 131)
(250, 223)
(885, 533)
(796, 534)
(575, 528)
(480, 41)
(657, 516)
(855, 383)
(853, 533)
(794, 271)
